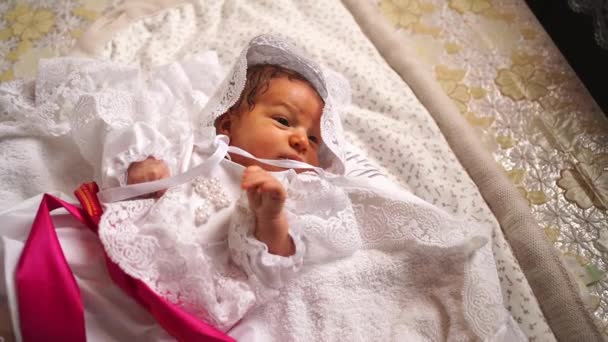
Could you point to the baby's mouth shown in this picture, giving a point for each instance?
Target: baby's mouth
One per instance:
(296, 158)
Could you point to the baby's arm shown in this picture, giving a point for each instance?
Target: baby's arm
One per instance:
(266, 199)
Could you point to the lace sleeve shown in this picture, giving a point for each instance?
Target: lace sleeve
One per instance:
(130, 145)
(252, 255)
(161, 109)
(95, 101)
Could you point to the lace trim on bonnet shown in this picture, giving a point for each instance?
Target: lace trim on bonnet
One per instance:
(333, 88)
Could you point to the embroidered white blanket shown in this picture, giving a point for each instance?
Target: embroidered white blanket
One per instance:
(387, 124)
(407, 270)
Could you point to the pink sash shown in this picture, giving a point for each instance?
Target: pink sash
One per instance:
(50, 305)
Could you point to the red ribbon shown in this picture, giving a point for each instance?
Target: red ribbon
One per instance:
(50, 304)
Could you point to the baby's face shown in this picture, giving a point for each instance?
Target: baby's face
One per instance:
(285, 123)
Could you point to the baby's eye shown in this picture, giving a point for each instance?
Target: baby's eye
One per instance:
(282, 121)
(313, 139)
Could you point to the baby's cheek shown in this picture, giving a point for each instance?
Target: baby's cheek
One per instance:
(313, 159)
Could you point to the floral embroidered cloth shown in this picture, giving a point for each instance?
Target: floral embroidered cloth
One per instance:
(34, 29)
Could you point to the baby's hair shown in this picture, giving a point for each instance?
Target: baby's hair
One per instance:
(258, 82)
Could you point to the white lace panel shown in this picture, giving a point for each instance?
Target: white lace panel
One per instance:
(387, 222)
(15, 98)
(142, 237)
(57, 89)
(326, 217)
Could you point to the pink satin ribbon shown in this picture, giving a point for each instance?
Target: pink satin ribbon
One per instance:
(50, 304)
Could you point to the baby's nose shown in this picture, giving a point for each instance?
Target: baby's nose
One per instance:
(299, 141)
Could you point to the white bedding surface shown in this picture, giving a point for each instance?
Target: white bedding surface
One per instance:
(387, 123)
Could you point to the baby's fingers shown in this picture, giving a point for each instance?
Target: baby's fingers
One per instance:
(254, 197)
(274, 189)
(254, 178)
(251, 182)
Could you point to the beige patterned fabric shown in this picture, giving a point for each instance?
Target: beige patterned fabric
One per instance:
(34, 29)
(507, 79)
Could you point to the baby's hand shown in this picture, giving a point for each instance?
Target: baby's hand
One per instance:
(146, 171)
(266, 194)
(266, 199)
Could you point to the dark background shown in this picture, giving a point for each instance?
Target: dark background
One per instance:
(573, 33)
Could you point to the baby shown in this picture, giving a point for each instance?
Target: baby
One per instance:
(277, 116)
(233, 226)
(232, 237)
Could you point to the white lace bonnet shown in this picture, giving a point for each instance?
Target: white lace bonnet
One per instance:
(331, 86)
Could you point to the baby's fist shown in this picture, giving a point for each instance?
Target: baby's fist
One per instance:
(266, 194)
(148, 170)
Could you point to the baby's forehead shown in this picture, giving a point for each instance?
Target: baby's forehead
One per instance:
(296, 98)
(273, 83)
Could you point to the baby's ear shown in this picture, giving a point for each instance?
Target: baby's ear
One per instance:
(223, 124)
